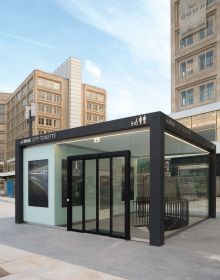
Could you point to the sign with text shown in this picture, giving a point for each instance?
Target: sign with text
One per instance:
(192, 16)
(39, 138)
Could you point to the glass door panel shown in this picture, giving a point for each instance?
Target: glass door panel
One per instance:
(90, 195)
(104, 195)
(118, 205)
(77, 194)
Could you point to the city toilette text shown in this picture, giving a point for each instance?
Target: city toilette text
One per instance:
(39, 138)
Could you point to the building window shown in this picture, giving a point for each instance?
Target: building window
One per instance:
(208, 31)
(30, 84)
(49, 84)
(41, 121)
(57, 98)
(186, 68)
(56, 86)
(41, 94)
(100, 97)
(206, 60)
(101, 109)
(89, 117)
(2, 108)
(209, 2)
(95, 118)
(18, 95)
(101, 119)
(2, 118)
(41, 107)
(56, 123)
(41, 132)
(57, 111)
(49, 96)
(49, 122)
(49, 109)
(30, 96)
(24, 102)
(94, 107)
(207, 91)
(23, 91)
(184, 42)
(90, 95)
(89, 105)
(187, 97)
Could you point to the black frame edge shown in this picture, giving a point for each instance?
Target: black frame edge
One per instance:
(19, 208)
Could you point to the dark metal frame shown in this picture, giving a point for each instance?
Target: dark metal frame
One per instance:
(159, 123)
(97, 156)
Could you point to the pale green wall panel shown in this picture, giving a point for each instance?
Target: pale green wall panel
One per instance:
(40, 215)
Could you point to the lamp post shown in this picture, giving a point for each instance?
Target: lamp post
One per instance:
(30, 114)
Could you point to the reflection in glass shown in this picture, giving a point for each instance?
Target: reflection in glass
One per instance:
(118, 219)
(138, 143)
(90, 195)
(77, 189)
(186, 171)
(104, 195)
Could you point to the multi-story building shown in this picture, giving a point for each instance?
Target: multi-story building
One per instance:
(195, 68)
(4, 97)
(60, 100)
(195, 60)
(93, 104)
(49, 93)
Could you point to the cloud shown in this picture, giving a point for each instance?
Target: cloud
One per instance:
(144, 28)
(93, 71)
(26, 40)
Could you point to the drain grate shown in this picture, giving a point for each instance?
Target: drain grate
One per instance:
(3, 273)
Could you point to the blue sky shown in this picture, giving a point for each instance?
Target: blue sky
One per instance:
(124, 46)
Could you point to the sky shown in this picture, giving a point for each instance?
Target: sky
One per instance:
(124, 46)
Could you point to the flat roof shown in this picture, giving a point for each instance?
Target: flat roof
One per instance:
(129, 123)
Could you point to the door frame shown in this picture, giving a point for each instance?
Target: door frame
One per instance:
(126, 154)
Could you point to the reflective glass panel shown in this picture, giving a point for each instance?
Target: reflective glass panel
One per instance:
(186, 184)
(90, 195)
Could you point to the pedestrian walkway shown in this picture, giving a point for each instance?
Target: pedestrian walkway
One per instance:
(23, 265)
(37, 252)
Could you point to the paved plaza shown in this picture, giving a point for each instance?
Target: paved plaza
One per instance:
(36, 252)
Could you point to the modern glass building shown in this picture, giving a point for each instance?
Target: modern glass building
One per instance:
(142, 178)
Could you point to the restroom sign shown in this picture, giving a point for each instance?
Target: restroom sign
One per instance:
(141, 120)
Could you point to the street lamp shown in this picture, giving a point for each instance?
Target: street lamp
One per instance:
(30, 113)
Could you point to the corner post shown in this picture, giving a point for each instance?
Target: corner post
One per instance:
(212, 184)
(18, 183)
(157, 211)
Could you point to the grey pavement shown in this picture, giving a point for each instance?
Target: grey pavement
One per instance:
(191, 254)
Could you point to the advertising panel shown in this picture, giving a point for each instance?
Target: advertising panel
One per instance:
(38, 183)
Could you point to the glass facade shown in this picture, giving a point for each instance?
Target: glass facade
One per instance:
(206, 124)
(139, 145)
(139, 183)
(186, 184)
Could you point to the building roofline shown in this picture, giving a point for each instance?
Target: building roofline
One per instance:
(128, 123)
(85, 84)
(69, 58)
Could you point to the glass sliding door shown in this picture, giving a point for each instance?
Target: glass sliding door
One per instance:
(118, 205)
(90, 195)
(99, 189)
(104, 195)
(77, 194)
